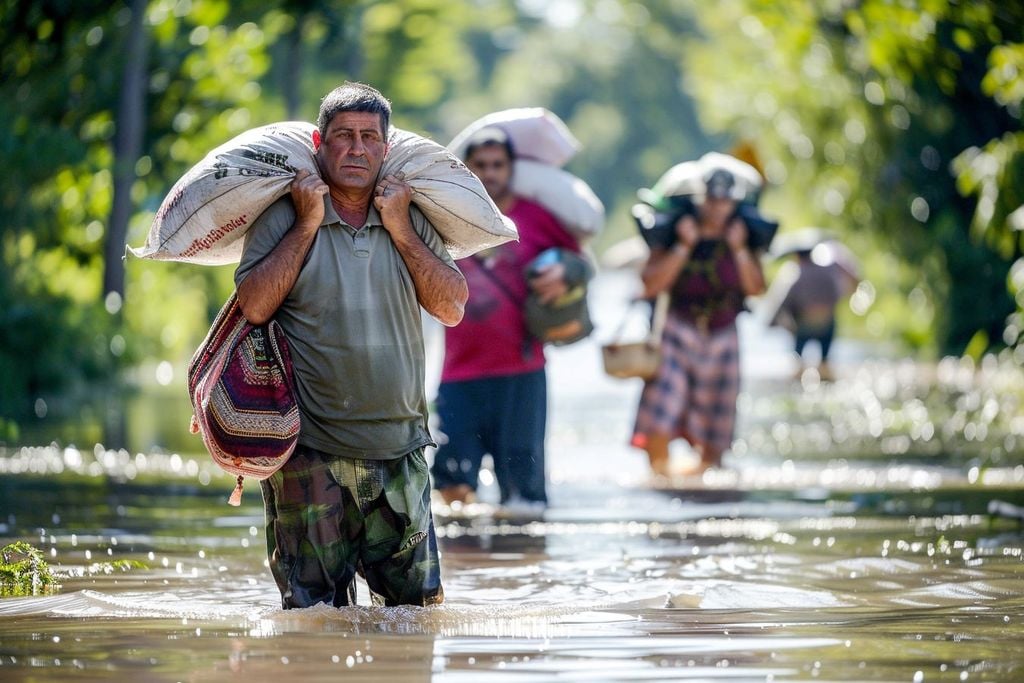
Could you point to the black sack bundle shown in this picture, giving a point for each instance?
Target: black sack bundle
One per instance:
(657, 228)
(683, 187)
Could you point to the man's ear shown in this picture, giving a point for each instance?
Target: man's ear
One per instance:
(316, 139)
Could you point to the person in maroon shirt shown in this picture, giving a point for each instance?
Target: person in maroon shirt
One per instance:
(493, 393)
(708, 271)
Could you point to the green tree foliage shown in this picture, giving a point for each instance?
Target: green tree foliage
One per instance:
(55, 93)
(860, 109)
(60, 93)
(994, 174)
(419, 53)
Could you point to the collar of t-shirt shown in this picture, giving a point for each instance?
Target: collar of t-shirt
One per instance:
(331, 216)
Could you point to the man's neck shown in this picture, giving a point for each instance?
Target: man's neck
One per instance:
(352, 209)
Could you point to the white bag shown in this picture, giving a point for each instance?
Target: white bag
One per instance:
(685, 178)
(450, 195)
(542, 144)
(747, 180)
(535, 133)
(567, 197)
(206, 213)
(689, 178)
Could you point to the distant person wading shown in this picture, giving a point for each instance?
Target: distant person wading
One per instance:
(708, 270)
(493, 393)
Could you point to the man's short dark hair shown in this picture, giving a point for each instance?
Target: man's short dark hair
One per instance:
(353, 96)
(490, 135)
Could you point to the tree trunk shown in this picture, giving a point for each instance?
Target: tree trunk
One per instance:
(127, 147)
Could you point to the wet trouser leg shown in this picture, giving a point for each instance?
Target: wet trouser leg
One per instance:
(329, 518)
(518, 448)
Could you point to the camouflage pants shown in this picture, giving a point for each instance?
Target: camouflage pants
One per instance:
(329, 518)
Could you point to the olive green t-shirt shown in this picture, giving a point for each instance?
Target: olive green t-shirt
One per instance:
(353, 326)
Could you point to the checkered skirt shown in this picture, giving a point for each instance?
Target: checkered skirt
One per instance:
(694, 393)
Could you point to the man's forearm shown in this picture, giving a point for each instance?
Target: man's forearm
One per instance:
(264, 289)
(440, 289)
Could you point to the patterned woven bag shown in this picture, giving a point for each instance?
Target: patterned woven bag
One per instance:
(241, 386)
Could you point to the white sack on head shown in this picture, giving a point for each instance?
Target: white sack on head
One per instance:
(206, 213)
(567, 197)
(685, 178)
(689, 178)
(748, 182)
(535, 133)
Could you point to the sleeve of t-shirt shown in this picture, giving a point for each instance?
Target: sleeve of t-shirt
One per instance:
(265, 234)
(430, 237)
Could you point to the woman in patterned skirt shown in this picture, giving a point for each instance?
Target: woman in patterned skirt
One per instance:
(708, 272)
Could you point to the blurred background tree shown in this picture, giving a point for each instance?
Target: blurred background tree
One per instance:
(896, 125)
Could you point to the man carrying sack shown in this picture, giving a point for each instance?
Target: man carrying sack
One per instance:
(344, 264)
(493, 393)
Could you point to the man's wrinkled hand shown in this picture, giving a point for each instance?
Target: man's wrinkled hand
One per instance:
(392, 197)
(308, 190)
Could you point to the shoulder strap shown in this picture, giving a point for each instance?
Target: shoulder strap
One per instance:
(224, 323)
(657, 321)
(497, 281)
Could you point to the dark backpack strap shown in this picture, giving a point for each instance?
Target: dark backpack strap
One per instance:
(497, 282)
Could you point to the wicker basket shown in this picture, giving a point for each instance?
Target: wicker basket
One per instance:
(637, 359)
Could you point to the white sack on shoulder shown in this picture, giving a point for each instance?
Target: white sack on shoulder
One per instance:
(450, 195)
(567, 197)
(535, 133)
(208, 211)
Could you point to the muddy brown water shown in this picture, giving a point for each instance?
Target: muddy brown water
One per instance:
(834, 564)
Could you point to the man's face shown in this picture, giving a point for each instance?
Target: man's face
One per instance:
(352, 150)
(493, 166)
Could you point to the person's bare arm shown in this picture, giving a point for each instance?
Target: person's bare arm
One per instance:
(664, 265)
(440, 289)
(268, 283)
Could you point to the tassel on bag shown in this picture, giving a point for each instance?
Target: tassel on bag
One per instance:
(236, 495)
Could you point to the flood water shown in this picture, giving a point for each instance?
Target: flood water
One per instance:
(849, 541)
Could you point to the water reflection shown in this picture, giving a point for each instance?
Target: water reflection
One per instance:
(736, 597)
(833, 560)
